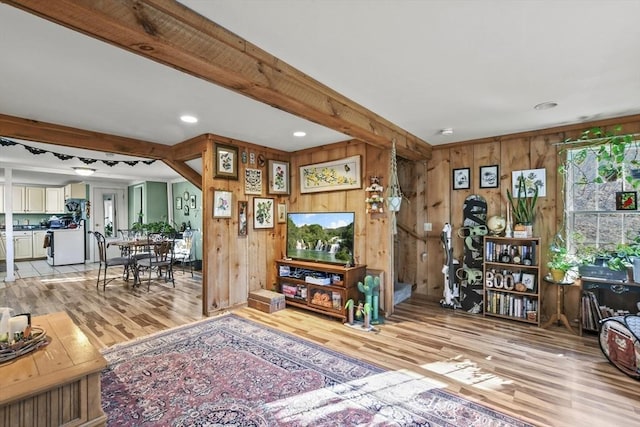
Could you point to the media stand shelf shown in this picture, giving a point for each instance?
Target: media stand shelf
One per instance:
(319, 287)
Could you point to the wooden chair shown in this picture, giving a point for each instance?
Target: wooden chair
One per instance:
(160, 258)
(105, 263)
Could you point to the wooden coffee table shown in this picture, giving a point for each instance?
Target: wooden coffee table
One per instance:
(56, 384)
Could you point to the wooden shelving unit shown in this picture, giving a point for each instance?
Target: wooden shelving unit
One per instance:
(512, 278)
(319, 287)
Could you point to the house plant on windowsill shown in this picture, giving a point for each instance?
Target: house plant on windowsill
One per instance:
(523, 208)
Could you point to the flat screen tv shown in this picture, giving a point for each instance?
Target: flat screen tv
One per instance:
(321, 236)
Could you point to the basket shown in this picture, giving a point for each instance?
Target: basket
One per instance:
(11, 351)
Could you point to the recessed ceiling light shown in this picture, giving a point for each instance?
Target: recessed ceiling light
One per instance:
(446, 131)
(299, 133)
(84, 171)
(546, 105)
(189, 119)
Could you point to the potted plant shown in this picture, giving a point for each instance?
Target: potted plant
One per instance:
(559, 264)
(523, 207)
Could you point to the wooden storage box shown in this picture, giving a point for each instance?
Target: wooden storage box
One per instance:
(266, 301)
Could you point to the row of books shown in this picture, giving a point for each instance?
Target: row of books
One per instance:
(511, 304)
(593, 312)
(516, 254)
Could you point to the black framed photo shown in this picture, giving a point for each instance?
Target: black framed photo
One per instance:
(626, 200)
(461, 179)
(489, 176)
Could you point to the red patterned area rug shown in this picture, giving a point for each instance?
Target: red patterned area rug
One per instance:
(231, 371)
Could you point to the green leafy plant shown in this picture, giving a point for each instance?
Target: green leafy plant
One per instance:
(611, 150)
(523, 208)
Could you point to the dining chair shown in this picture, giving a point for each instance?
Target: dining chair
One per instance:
(159, 259)
(105, 262)
(183, 251)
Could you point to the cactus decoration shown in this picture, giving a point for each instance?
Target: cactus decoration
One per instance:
(367, 315)
(371, 290)
(349, 307)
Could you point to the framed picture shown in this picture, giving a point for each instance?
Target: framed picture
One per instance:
(529, 281)
(222, 204)
(626, 200)
(226, 161)
(532, 178)
(185, 210)
(178, 203)
(252, 181)
(489, 177)
(341, 174)
(278, 177)
(461, 179)
(282, 213)
(243, 228)
(192, 202)
(263, 212)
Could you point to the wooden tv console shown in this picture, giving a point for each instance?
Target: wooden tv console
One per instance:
(323, 288)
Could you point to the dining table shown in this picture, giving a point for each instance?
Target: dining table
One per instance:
(135, 249)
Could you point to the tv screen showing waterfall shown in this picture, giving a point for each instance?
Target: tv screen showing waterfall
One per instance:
(321, 236)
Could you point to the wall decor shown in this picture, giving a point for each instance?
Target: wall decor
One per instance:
(252, 181)
(263, 212)
(461, 179)
(226, 161)
(532, 178)
(222, 204)
(626, 200)
(278, 177)
(529, 281)
(343, 174)
(243, 228)
(192, 202)
(185, 210)
(489, 176)
(282, 213)
(178, 203)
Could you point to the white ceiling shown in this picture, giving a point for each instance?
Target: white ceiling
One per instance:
(478, 67)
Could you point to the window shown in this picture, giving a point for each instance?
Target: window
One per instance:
(590, 198)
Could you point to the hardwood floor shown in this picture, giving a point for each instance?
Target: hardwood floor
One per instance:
(547, 377)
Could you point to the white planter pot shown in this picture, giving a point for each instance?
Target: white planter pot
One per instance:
(394, 203)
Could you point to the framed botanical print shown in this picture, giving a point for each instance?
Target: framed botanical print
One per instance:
(282, 213)
(222, 204)
(192, 202)
(252, 181)
(461, 179)
(278, 177)
(343, 174)
(263, 212)
(178, 203)
(226, 160)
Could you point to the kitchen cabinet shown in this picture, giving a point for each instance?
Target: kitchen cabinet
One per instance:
(17, 196)
(34, 199)
(1, 198)
(37, 241)
(54, 199)
(22, 245)
(75, 191)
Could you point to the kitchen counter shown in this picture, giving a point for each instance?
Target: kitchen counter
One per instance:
(26, 227)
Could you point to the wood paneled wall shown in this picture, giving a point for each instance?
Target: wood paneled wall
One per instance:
(234, 265)
(436, 202)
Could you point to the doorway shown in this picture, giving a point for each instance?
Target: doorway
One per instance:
(109, 214)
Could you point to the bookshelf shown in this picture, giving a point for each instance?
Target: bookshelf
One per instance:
(512, 278)
(606, 298)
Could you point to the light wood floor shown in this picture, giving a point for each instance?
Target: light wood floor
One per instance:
(548, 377)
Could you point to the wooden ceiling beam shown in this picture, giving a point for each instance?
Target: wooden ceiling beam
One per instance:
(34, 130)
(170, 33)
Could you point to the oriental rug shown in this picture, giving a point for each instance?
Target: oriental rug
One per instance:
(231, 371)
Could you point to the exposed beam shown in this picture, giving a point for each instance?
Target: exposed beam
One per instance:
(186, 171)
(34, 130)
(174, 35)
